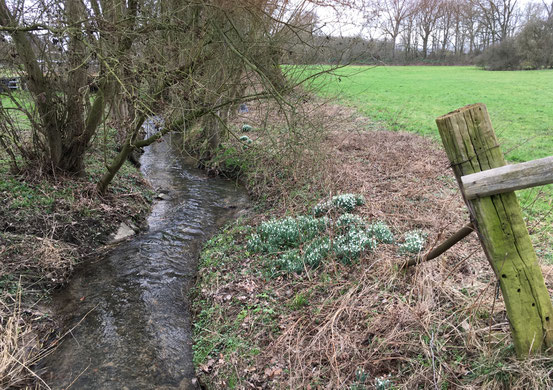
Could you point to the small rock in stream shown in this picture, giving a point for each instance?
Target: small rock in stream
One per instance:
(162, 196)
(124, 231)
(189, 384)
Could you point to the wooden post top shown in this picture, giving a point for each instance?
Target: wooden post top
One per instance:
(462, 109)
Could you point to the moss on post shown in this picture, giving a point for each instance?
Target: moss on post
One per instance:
(471, 146)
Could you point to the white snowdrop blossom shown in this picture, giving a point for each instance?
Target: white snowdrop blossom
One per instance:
(413, 242)
(344, 202)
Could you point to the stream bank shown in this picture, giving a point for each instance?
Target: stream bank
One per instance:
(265, 320)
(126, 313)
(48, 225)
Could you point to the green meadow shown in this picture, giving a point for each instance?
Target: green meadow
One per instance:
(411, 97)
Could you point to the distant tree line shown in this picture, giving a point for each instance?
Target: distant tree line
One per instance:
(531, 48)
(496, 34)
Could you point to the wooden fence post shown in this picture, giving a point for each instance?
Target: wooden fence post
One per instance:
(471, 146)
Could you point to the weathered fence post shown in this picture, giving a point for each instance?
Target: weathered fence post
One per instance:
(471, 146)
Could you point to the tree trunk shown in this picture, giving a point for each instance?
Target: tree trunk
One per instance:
(425, 46)
(126, 149)
(211, 133)
(43, 93)
(76, 139)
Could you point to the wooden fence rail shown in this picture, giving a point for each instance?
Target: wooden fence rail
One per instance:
(508, 178)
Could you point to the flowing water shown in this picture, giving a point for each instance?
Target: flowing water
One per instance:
(127, 314)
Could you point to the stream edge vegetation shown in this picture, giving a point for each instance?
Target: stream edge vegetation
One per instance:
(48, 225)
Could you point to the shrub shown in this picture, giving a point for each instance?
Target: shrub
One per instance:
(276, 235)
(229, 161)
(381, 232)
(294, 261)
(502, 56)
(290, 262)
(305, 241)
(293, 244)
(348, 247)
(317, 251)
(535, 44)
(346, 221)
(246, 139)
(256, 244)
(532, 48)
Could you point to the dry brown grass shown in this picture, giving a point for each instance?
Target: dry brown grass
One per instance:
(440, 325)
(40, 261)
(20, 344)
(288, 164)
(41, 264)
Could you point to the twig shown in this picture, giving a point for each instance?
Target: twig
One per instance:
(77, 377)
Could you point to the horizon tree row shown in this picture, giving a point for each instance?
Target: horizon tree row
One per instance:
(407, 31)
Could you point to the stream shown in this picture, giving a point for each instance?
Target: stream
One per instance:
(126, 314)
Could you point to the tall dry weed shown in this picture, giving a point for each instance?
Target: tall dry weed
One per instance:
(20, 345)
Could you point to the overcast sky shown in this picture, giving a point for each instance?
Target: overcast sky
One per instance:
(343, 21)
(340, 20)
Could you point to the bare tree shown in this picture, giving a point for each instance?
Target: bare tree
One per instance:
(66, 120)
(548, 9)
(472, 24)
(499, 17)
(393, 14)
(190, 61)
(459, 27)
(428, 13)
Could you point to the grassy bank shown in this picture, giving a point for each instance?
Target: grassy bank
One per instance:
(48, 224)
(286, 299)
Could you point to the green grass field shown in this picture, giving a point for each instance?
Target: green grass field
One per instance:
(411, 97)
